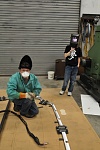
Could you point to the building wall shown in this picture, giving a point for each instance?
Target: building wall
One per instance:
(40, 29)
(90, 7)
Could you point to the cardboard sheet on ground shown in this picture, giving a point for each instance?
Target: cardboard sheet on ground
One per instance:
(81, 134)
(90, 105)
(3, 104)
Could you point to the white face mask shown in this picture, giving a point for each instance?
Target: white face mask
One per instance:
(25, 74)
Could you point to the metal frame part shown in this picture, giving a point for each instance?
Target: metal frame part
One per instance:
(64, 136)
(4, 118)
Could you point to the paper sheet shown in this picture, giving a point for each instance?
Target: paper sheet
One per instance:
(90, 105)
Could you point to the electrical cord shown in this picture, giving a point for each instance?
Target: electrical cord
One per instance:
(36, 139)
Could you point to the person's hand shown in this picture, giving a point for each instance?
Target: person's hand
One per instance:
(72, 49)
(27, 95)
(78, 65)
(68, 54)
(31, 94)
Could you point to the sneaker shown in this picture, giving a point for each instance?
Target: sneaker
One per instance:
(69, 93)
(61, 92)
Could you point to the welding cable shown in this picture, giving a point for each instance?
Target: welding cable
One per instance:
(36, 139)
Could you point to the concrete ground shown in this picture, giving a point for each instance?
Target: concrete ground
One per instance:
(78, 90)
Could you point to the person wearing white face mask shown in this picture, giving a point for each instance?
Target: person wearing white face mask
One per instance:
(25, 74)
(22, 88)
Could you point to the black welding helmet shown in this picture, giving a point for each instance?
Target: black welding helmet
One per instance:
(74, 40)
(25, 62)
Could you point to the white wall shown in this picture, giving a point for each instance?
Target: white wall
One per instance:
(90, 7)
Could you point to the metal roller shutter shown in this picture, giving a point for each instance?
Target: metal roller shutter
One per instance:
(39, 28)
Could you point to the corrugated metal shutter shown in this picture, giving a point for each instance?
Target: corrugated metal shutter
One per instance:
(39, 28)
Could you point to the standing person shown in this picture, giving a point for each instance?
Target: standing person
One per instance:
(72, 56)
(22, 88)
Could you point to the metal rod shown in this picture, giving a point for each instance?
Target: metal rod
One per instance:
(4, 117)
(65, 139)
(64, 136)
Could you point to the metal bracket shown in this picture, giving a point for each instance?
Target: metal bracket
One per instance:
(61, 129)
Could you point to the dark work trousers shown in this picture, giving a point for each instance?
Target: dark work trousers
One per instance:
(26, 106)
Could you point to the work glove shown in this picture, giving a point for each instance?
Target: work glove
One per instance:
(31, 94)
(27, 95)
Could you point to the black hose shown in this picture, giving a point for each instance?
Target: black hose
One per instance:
(36, 139)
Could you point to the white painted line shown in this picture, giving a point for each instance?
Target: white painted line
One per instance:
(63, 112)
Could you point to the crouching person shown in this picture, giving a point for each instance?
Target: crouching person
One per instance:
(22, 88)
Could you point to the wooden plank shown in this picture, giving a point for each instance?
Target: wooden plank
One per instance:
(3, 106)
(81, 134)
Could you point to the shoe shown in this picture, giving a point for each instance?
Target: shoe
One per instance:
(69, 93)
(61, 92)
